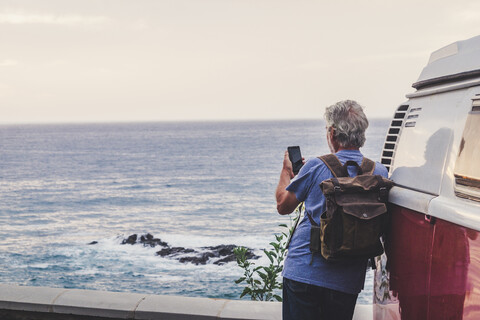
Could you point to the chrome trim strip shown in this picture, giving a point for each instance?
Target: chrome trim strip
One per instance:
(457, 86)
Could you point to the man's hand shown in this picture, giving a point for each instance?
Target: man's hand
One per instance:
(287, 165)
(286, 200)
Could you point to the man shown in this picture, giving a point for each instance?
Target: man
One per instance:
(314, 288)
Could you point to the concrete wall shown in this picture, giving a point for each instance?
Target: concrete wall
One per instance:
(39, 303)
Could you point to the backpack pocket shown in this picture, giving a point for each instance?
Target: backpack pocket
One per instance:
(331, 235)
(315, 240)
(363, 225)
(353, 231)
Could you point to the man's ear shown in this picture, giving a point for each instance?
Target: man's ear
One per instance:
(332, 142)
(331, 133)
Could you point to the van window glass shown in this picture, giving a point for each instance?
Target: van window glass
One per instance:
(467, 167)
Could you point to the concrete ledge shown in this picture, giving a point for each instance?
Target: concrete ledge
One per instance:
(38, 303)
(174, 307)
(114, 305)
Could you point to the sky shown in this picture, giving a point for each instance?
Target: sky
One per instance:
(163, 60)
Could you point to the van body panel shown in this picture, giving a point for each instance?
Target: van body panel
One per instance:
(422, 149)
(409, 259)
(462, 212)
(471, 306)
(451, 280)
(433, 270)
(410, 199)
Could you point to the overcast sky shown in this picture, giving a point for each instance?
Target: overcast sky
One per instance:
(142, 60)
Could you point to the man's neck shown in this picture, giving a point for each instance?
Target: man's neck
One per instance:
(341, 148)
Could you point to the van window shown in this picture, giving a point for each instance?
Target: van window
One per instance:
(467, 167)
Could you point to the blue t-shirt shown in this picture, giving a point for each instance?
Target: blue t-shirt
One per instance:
(346, 277)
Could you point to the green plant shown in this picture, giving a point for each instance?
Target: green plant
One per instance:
(262, 281)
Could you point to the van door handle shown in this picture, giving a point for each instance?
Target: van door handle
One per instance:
(430, 219)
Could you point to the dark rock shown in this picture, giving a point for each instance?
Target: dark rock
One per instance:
(202, 259)
(149, 240)
(227, 252)
(251, 255)
(130, 240)
(93, 242)
(173, 251)
(146, 240)
(223, 253)
(225, 260)
(222, 250)
(149, 236)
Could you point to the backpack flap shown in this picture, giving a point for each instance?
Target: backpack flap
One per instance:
(365, 211)
(363, 197)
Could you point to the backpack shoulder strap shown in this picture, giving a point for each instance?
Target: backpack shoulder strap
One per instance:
(368, 166)
(335, 166)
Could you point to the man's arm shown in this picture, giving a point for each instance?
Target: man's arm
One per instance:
(286, 200)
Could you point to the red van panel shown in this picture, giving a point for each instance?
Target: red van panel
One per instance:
(450, 262)
(434, 268)
(409, 250)
(471, 306)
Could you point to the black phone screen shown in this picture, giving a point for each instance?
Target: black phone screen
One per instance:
(295, 157)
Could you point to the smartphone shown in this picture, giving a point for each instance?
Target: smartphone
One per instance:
(295, 157)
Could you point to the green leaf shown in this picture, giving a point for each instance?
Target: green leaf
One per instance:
(258, 268)
(240, 280)
(262, 275)
(275, 245)
(246, 291)
(269, 255)
(278, 298)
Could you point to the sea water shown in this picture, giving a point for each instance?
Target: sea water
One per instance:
(191, 184)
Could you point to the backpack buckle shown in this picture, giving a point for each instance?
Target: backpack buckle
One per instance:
(336, 185)
(337, 190)
(382, 194)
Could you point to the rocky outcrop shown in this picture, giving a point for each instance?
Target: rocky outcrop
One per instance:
(149, 240)
(218, 255)
(173, 251)
(130, 240)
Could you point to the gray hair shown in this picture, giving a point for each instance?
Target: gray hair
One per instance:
(349, 122)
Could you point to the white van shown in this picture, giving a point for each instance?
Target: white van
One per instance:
(432, 151)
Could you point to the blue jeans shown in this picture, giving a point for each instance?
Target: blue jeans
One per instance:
(303, 301)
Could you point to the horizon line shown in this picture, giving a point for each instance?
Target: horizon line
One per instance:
(66, 122)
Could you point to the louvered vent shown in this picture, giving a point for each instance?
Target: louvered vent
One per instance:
(411, 120)
(393, 135)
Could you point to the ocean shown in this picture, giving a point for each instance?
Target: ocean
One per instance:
(191, 184)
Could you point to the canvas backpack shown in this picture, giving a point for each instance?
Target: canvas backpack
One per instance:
(356, 213)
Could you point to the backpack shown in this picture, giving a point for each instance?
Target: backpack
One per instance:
(356, 213)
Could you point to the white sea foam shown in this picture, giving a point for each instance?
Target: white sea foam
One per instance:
(34, 265)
